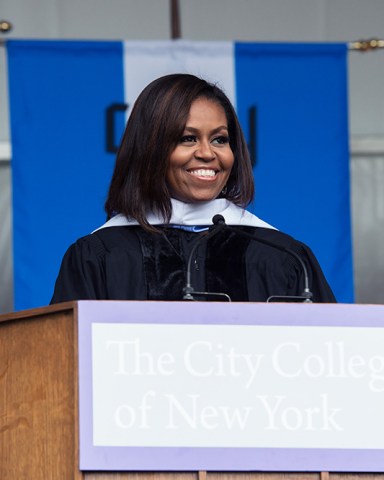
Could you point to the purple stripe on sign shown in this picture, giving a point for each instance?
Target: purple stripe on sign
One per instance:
(85, 382)
(221, 313)
(225, 459)
(241, 459)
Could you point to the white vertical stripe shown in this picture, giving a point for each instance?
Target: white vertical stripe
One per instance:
(146, 60)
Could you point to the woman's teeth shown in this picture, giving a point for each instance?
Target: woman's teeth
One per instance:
(203, 173)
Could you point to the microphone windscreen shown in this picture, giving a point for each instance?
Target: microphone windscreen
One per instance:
(218, 219)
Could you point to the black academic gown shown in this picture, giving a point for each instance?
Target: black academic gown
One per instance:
(128, 263)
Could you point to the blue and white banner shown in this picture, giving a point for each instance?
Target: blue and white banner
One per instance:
(69, 101)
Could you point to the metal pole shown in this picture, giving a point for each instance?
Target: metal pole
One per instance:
(366, 45)
(175, 20)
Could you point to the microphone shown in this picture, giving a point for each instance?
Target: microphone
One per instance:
(219, 220)
(218, 225)
(306, 295)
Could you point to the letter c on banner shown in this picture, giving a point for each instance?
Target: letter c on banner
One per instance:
(279, 359)
(189, 359)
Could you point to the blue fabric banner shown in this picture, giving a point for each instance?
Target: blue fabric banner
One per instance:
(68, 101)
(299, 95)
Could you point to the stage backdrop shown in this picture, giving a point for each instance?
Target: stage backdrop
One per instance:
(69, 101)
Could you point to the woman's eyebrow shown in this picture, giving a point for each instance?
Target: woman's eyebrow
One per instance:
(215, 130)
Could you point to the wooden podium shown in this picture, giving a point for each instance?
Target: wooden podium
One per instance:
(39, 405)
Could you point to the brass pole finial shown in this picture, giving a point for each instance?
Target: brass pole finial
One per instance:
(366, 45)
(5, 26)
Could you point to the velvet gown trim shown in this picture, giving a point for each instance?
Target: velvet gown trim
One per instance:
(165, 260)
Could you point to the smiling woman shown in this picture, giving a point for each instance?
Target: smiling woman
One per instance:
(176, 115)
(183, 159)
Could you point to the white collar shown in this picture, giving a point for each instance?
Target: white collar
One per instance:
(196, 214)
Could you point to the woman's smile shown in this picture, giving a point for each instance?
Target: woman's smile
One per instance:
(203, 173)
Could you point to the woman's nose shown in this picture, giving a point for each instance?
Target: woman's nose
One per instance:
(205, 151)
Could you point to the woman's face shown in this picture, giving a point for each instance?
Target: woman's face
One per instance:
(200, 165)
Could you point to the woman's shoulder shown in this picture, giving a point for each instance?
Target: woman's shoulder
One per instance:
(275, 237)
(106, 240)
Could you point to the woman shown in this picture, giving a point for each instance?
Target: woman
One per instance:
(183, 159)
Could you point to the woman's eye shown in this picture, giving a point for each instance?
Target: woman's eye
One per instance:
(221, 140)
(188, 139)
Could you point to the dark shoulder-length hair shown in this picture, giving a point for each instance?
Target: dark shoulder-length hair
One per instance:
(154, 128)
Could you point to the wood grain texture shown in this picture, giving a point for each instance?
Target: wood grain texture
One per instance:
(38, 409)
(263, 476)
(356, 476)
(140, 476)
(39, 312)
